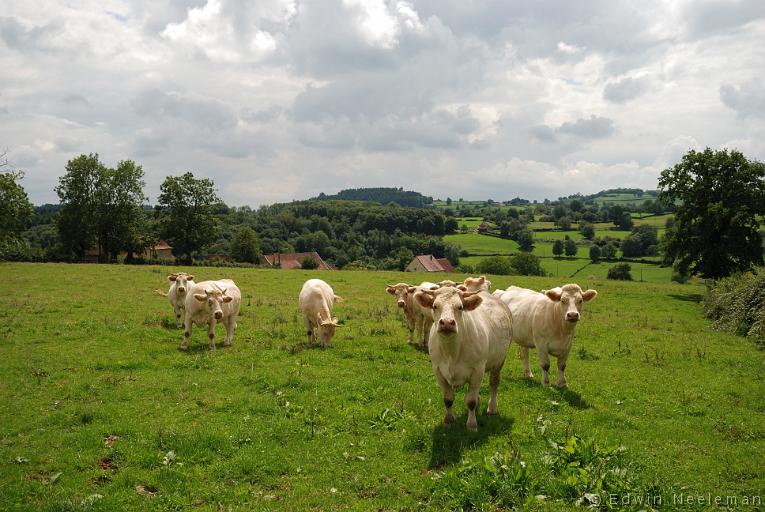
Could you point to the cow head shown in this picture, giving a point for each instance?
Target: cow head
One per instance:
(476, 284)
(326, 329)
(399, 290)
(182, 281)
(447, 305)
(571, 298)
(213, 300)
(446, 283)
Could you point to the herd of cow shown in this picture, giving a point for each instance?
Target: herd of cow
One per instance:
(466, 329)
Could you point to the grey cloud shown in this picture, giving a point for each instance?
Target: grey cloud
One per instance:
(75, 99)
(715, 16)
(625, 89)
(204, 113)
(595, 127)
(17, 36)
(747, 99)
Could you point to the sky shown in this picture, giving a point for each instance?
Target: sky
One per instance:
(277, 100)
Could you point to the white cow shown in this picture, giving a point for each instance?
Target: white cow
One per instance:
(476, 284)
(210, 302)
(405, 301)
(469, 337)
(423, 316)
(316, 301)
(180, 283)
(546, 321)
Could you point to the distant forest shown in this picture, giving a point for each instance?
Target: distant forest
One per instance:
(382, 195)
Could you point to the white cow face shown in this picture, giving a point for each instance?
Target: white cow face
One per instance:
(326, 330)
(476, 284)
(571, 298)
(213, 300)
(447, 305)
(399, 290)
(181, 281)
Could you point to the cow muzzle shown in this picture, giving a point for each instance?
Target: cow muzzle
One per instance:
(181, 289)
(572, 317)
(218, 315)
(447, 326)
(401, 303)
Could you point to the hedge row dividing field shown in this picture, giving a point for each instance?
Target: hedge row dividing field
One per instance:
(101, 411)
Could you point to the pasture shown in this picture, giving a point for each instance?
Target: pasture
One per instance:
(101, 411)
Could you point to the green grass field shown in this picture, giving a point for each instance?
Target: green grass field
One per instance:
(470, 222)
(101, 411)
(482, 244)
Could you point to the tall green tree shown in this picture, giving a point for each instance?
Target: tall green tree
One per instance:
(720, 197)
(15, 208)
(185, 209)
(77, 192)
(244, 245)
(557, 248)
(570, 247)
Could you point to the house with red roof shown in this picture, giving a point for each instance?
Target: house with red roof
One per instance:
(429, 263)
(294, 260)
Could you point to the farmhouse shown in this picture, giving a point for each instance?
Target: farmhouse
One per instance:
(294, 260)
(161, 251)
(429, 263)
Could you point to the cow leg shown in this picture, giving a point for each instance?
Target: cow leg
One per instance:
(494, 384)
(211, 333)
(561, 369)
(230, 328)
(186, 331)
(472, 398)
(177, 310)
(544, 363)
(308, 330)
(525, 357)
(421, 329)
(427, 324)
(411, 324)
(448, 393)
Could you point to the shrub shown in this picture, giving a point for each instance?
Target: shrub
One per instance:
(737, 304)
(498, 265)
(309, 263)
(526, 264)
(620, 272)
(594, 253)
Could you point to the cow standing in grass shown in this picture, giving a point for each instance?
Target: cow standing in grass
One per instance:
(405, 301)
(422, 315)
(470, 336)
(476, 284)
(210, 302)
(546, 321)
(180, 283)
(316, 301)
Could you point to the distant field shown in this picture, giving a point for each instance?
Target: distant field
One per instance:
(471, 222)
(660, 221)
(101, 411)
(622, 199)
(557, 235)
(482, 244)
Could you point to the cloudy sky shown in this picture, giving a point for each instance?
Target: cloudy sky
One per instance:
(282, 99)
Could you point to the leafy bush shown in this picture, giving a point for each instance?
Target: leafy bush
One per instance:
(527, 264)
(501, 481)
(309, 263)
(737, 304)
(620, 272)
(497, 265)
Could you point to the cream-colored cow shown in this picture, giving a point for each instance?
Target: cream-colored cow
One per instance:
(208, 303)
(316, 301)
(405, 301)
(546, 321)
(470, 336)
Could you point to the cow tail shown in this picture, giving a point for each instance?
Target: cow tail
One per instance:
(160, 292)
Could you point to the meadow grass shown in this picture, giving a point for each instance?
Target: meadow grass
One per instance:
(470, 222)
(101, 411)
(477, 244)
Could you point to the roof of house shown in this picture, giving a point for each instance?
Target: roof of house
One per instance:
(162, 245)
(429, 262)
(295, 259)
(446, 264)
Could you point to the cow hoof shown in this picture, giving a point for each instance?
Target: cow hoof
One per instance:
(184, 346)
(472, 428)
(226, 343)
(449, 420)
(492, 413)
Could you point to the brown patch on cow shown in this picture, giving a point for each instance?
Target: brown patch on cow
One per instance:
(471, 405)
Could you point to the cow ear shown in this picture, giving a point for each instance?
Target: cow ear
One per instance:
(391, 290)
(189, 278)
(228, 298)
(462, 287)
(424, 299)
(471, 302)
(172, 277)
(334, 322)
(553, 295)
(411, 289)
(200, 297)
(482, 279)
(589, 295)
